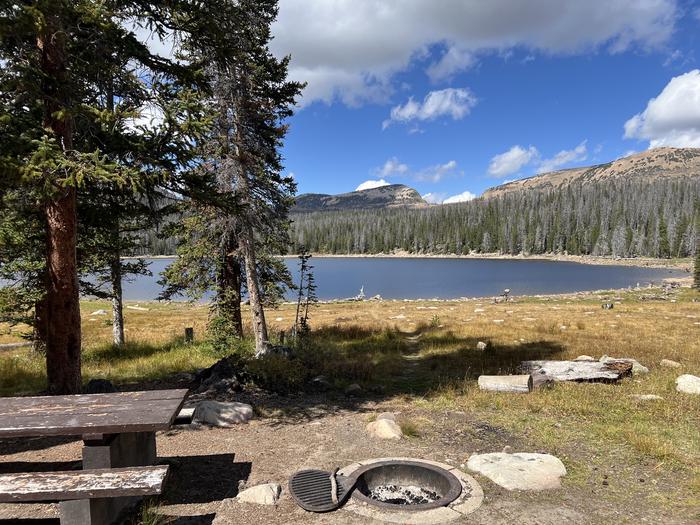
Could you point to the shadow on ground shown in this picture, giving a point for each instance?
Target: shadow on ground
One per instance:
(385, 363)
(204, 479)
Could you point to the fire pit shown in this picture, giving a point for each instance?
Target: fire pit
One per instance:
(410, 490)
(406, 485)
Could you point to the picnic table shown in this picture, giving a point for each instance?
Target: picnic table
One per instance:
(119, 449)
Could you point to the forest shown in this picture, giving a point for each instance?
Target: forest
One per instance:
(618, 218)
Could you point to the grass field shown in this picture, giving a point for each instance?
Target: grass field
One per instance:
(423, 353)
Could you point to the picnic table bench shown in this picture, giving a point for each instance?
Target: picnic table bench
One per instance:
(119, 450)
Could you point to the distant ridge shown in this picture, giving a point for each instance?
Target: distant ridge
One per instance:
(392, 196)
(651, 165)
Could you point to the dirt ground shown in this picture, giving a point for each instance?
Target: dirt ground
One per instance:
(209, 465)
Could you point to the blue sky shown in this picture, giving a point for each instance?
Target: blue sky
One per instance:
(453, 97)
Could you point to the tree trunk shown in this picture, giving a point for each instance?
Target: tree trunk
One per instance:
(247, 246)
(229, 299)
(117, 301)
(62, 301)
(40, 327)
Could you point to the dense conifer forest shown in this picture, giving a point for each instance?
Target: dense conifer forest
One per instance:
(619, 218)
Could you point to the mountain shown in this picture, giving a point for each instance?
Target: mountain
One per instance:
(392, 196)
(646, 204)
(648, 166)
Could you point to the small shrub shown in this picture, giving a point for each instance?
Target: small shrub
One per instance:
(277, 373)
(409, 429)
(435, 321)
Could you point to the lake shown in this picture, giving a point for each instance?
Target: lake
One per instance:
(427, 278)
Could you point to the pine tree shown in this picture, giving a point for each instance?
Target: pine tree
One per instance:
(251, 99)
(55, 69)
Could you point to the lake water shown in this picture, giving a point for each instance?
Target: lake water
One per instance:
(415, 278)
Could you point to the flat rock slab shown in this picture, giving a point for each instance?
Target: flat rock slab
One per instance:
(688, 384)
(667, 363)
(520, 471)
(218, 414)
(577, 370)
(637, 367)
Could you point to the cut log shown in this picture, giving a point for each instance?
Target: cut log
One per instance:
(520, 384)
(607, 372)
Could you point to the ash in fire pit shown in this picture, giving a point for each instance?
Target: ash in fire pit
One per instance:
(408, 485)
(398, 495)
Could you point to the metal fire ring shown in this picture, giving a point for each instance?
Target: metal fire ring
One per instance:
(455, 487)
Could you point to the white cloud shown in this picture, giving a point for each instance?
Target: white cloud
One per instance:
(450, 102)
(465, 196)
(434, 197)
(392, 167)
(370, 184)
(673, 117)
(350, 50)
(567, 156)
(512, 161)
(436, 173)
(453, 61)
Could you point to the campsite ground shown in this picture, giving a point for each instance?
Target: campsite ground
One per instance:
(628, 461)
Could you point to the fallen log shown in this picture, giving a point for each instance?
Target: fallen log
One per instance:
(520, 384)
(592, 371)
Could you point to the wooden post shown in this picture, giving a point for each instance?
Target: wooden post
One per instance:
(281, 337)
(520, 384)
(189, 335)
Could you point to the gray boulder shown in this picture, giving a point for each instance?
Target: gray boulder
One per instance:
(384, 429)
(353, 390)
(688, 384)
(218, 414)
(100, 386)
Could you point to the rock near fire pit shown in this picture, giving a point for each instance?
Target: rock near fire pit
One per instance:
(520, 471)
(385, 429)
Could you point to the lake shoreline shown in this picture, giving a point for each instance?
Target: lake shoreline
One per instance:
(684, 264)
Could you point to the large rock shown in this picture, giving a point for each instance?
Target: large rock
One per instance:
(385, 429)
(220, 377)
(266, 494)
(520, 471)
(688, 384)
(637, 367)
(100, 386)
(218, 414)
(353, 390)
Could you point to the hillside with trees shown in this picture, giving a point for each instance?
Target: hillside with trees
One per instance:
(617, 216)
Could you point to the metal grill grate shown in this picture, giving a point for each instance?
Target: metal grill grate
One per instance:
(311, 489)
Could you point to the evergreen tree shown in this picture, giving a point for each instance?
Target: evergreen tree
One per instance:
(60, 58)
(251, 98)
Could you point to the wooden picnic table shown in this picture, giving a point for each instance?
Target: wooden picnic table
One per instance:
(118, 431)
(89, 414)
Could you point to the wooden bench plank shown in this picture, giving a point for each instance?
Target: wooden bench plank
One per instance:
(82, 484)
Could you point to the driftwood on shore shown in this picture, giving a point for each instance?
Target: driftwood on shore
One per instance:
(520, 384)
(607, 372)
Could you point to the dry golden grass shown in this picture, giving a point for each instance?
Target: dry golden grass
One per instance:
(424, 353)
